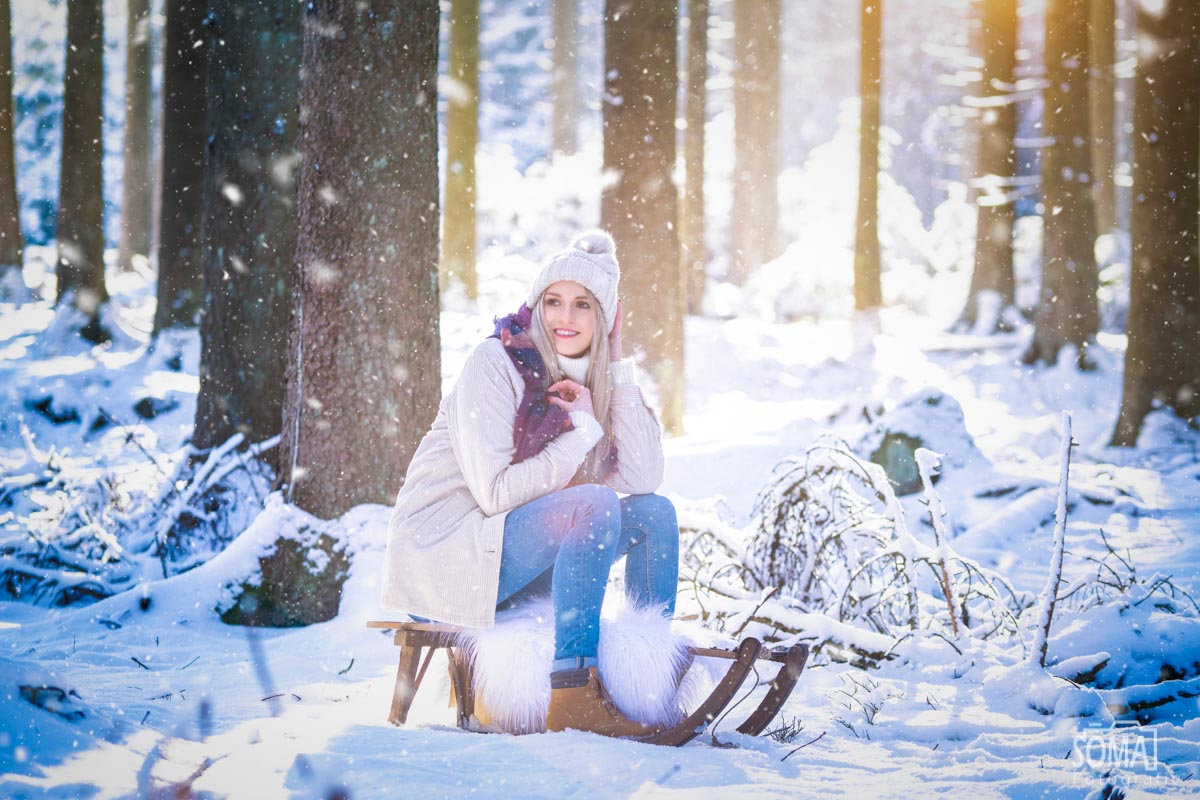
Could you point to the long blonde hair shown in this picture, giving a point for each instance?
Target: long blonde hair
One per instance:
(599, 374)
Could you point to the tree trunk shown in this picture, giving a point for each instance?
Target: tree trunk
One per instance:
(80, 192)
(1162, 357)
(754, 219)
(868, 288)
(1102, 106)
(1067, 312)
(462, 139)
(11, 243)
(136, 192)
(995, 190)
(693, 248)
(181, 190)
(638, 207)
(364, 370)
(249, 218)
(563, 81)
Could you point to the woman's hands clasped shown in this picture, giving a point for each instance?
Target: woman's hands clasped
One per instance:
(572, 397)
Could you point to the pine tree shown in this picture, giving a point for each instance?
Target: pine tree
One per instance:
(638, 206)
(1102, 104)
(136, 192)
(693, 248)
(80, 190)
(364, 371)
(1067, 311)
(462, 139)
(249, 218)
(997, 167)
(868, 288)
(565, 75)
(754, 218)
(181, 191)
(11, 243)
(1162, 357)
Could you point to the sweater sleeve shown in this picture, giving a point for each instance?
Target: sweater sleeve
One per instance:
(481, 418)
(637, 433)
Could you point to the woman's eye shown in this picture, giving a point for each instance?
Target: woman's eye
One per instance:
(551, 302)
(582, 304)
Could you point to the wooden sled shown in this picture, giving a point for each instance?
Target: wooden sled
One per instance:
(418, 641)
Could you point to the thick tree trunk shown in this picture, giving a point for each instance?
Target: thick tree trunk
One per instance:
(11, 243)
(80, 193)
(249, 218)
(638, 207)
(868, 288)
(1162, 358)
(181, 190)
(364, 372)
(1102, 106)
(994, 185)
(565, 76)
(693, 248)
(1067, 312)
(754, 219)
(136, 224)
(462, 139)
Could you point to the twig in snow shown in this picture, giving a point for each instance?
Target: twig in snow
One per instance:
(806, 744)
(927, 461)
(1050, 592)
(347, 669)
(140, 664)
(188, 664)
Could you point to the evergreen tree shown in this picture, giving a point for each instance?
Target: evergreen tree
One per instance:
(249, 218)
(181, 190)
(1067, 311)
(80, 190)
(754, 218)
(1102, 106)
(868, 289)
(994, 193)
(1162, 357)
(136, 192)
(565, 75)
(693, 248)
(462, 140)
(11, 243)
(638, 206)
(364, 371)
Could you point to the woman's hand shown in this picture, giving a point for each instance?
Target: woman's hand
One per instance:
(614, 338)
(574, 397)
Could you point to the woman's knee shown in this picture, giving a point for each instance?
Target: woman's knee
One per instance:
(653, 508)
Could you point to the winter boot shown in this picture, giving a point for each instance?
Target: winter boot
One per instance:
(578, 700)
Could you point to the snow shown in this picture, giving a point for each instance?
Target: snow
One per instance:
(146, 690)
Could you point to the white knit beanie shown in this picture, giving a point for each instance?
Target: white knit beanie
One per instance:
(590, 259)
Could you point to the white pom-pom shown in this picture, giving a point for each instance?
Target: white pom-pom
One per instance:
(596, 242)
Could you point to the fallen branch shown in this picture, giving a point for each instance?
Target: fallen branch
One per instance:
(1050, 592)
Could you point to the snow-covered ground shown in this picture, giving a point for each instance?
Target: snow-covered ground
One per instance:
(150, 689)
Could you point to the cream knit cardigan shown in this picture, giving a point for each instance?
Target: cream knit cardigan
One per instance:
(447, 528)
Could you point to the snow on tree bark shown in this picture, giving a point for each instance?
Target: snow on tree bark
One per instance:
(638, 206)
(364, 368)
(1162, 357)
(80, 192)
(181, 190)
(1067, 312)
(249, 218)
(754, 223)
(1049, 595)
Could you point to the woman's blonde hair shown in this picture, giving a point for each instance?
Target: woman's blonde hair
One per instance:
(599, 374)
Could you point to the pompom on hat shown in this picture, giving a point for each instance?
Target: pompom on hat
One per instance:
(590, 259)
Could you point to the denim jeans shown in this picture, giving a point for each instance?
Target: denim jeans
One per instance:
(567, 542)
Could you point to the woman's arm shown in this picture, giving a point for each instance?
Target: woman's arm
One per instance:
(637, 433)
(481, 419)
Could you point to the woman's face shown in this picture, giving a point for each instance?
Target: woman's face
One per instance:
(570, 317)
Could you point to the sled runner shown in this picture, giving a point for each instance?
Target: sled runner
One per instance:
(418, 641)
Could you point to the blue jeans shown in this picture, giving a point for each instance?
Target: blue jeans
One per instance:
(567, 541)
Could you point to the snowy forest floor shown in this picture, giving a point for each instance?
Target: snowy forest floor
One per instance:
(154, 692)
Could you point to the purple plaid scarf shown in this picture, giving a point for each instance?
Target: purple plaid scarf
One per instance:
(538, 420)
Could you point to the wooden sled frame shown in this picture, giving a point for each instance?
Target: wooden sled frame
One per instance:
(425, 638)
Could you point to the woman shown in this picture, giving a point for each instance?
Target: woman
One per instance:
(514, 489)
